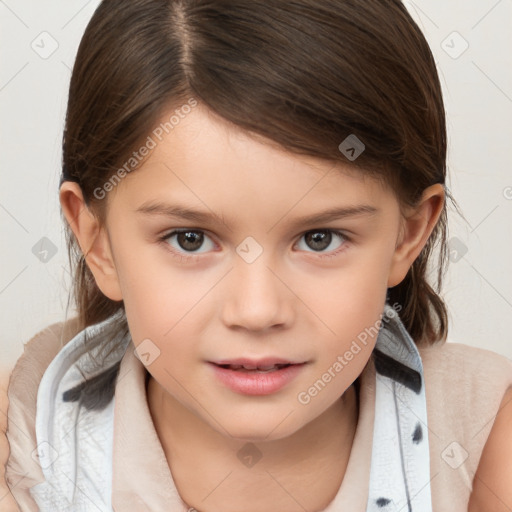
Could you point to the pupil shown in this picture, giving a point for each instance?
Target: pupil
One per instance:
(319, 240)
(190, 240)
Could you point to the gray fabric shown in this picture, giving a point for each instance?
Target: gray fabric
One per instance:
(400, 465)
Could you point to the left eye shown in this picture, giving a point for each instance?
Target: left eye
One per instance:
(188, 240)
(321, 239)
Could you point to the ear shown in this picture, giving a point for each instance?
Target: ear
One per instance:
(416, 228)
(93, 240)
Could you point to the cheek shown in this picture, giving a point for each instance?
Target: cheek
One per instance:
(171, 340)
(350, 307)
(156, 293)
(167, 307)
(352, 295)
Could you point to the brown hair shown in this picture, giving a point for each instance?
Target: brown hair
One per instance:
(303, 74)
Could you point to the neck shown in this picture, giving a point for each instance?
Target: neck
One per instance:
(209, 476)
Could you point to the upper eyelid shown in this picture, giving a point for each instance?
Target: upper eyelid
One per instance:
(209, 233)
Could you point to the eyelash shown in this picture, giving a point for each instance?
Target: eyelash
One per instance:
(188, 257)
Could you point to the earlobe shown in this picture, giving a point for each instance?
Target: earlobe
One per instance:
(415, 231)
(92, 239)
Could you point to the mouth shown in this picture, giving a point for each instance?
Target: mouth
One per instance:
(250, 377)
(252, 368)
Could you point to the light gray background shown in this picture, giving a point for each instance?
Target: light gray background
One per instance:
(477, 84)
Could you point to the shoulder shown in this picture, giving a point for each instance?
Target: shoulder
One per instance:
(18, 402)
(37, 354)
(29, 369)
(466, 365)
(492, 491)
(7, 502)
(40, 350)
(467, 353)
(477, 383)
(463, 382)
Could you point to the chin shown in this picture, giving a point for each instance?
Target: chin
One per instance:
(250, 435)
(271, 428)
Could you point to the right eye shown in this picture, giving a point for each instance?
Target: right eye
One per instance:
(186, 241)
(321, 239)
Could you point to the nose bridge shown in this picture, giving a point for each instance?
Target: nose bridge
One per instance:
(257, 299)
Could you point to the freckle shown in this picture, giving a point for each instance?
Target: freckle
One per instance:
(417, 436)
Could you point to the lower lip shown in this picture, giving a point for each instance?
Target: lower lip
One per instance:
(254, 382)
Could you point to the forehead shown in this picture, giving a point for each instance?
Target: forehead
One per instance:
(206, 159)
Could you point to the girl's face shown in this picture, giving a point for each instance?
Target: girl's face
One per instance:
(264, 272)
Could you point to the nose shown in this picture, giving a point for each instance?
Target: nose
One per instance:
(256, 298)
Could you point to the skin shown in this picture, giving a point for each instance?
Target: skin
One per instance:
(492, 491)
(7, 502)
(289, 302)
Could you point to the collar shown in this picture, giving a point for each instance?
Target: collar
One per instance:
(400, 466)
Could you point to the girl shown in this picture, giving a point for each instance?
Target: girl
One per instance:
(252, 193)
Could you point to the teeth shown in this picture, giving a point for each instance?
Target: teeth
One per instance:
(258, 368)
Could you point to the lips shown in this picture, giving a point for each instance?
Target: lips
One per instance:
(256, 377)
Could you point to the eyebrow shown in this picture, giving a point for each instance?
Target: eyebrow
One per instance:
(186, 213)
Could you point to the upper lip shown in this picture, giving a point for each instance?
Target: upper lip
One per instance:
(265, 362)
